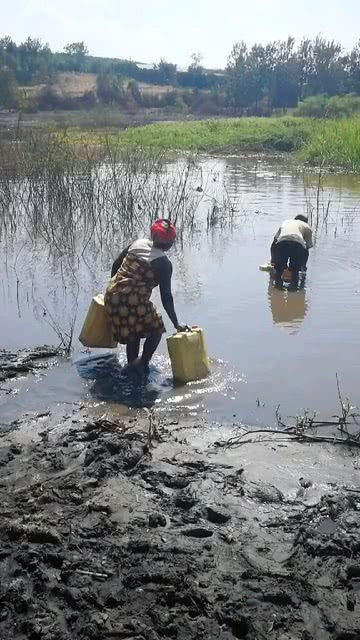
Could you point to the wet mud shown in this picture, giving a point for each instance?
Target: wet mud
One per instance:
(15, 363)
(125, 530)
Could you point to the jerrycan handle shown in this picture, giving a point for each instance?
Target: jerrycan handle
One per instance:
(184, 329)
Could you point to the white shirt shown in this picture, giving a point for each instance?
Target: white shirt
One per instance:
(296, 231)
(144, 250)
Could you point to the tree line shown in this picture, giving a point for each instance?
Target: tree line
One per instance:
(280, 74)
(257, 79)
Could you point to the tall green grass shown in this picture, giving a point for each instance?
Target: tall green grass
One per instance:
(335, 144)
(280, 134)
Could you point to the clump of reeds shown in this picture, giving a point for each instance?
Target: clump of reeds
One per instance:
(318, 204)
(74, 196)
(336, 143)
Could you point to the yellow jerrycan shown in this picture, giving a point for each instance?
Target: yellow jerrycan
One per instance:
(96, 330)
(188, 355)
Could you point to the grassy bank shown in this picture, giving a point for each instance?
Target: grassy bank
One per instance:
(336, 143)
(328, 142)
(224, 134)
(281, 134)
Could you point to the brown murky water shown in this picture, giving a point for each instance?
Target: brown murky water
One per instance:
(269, 347)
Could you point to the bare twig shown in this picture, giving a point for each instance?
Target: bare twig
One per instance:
(299, 430)
(93, 574)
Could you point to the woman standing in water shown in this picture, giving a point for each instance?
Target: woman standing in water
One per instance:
(142, 266)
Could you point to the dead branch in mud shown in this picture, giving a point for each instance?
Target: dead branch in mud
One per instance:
(237, 441)
(303, 424)
(93, 574)
(155, 426)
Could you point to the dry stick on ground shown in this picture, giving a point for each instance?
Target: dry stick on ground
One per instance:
(345, 409)
(238, 441)
(93, 574)
(153, 431)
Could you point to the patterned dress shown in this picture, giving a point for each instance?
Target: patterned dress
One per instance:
(127, 301)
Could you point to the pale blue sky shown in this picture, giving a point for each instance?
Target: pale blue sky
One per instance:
(146, 30)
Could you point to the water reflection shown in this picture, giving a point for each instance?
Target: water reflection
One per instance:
(288, 306)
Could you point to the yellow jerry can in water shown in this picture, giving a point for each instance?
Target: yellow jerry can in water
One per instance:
(188, 355)
(96, 330)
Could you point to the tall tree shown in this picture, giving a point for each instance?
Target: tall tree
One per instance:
(33, 58)
(8, 88)
(327, 75)
(286, 75)
(76, 52)
(238, 70)
(354, 68)
(196, 73)
(76, 49)
(306, 66)
(167, 72)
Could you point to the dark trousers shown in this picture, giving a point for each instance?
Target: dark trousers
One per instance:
(288, 254)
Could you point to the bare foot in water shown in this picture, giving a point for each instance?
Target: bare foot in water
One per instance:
(137, 364)
(134, 364)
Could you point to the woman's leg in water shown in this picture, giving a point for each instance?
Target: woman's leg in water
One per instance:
(132, 350)
(150, 346)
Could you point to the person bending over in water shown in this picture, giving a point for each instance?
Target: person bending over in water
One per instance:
(291, 244)
(142, 266)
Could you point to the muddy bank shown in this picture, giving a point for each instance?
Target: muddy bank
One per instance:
(124, 530)
(14, 363)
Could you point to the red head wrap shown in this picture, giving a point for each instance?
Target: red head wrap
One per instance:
(164, 231)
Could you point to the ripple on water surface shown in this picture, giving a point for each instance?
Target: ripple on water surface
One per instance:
(111, 381)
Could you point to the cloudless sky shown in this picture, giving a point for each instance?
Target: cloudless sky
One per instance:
(146, 30)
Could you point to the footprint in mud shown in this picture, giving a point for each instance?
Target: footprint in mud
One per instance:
(115, 383)
(198, 532)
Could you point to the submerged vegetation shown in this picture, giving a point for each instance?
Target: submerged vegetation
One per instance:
(73, 206)
(71, 197)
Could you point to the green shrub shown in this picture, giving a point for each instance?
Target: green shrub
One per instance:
(323, 106)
